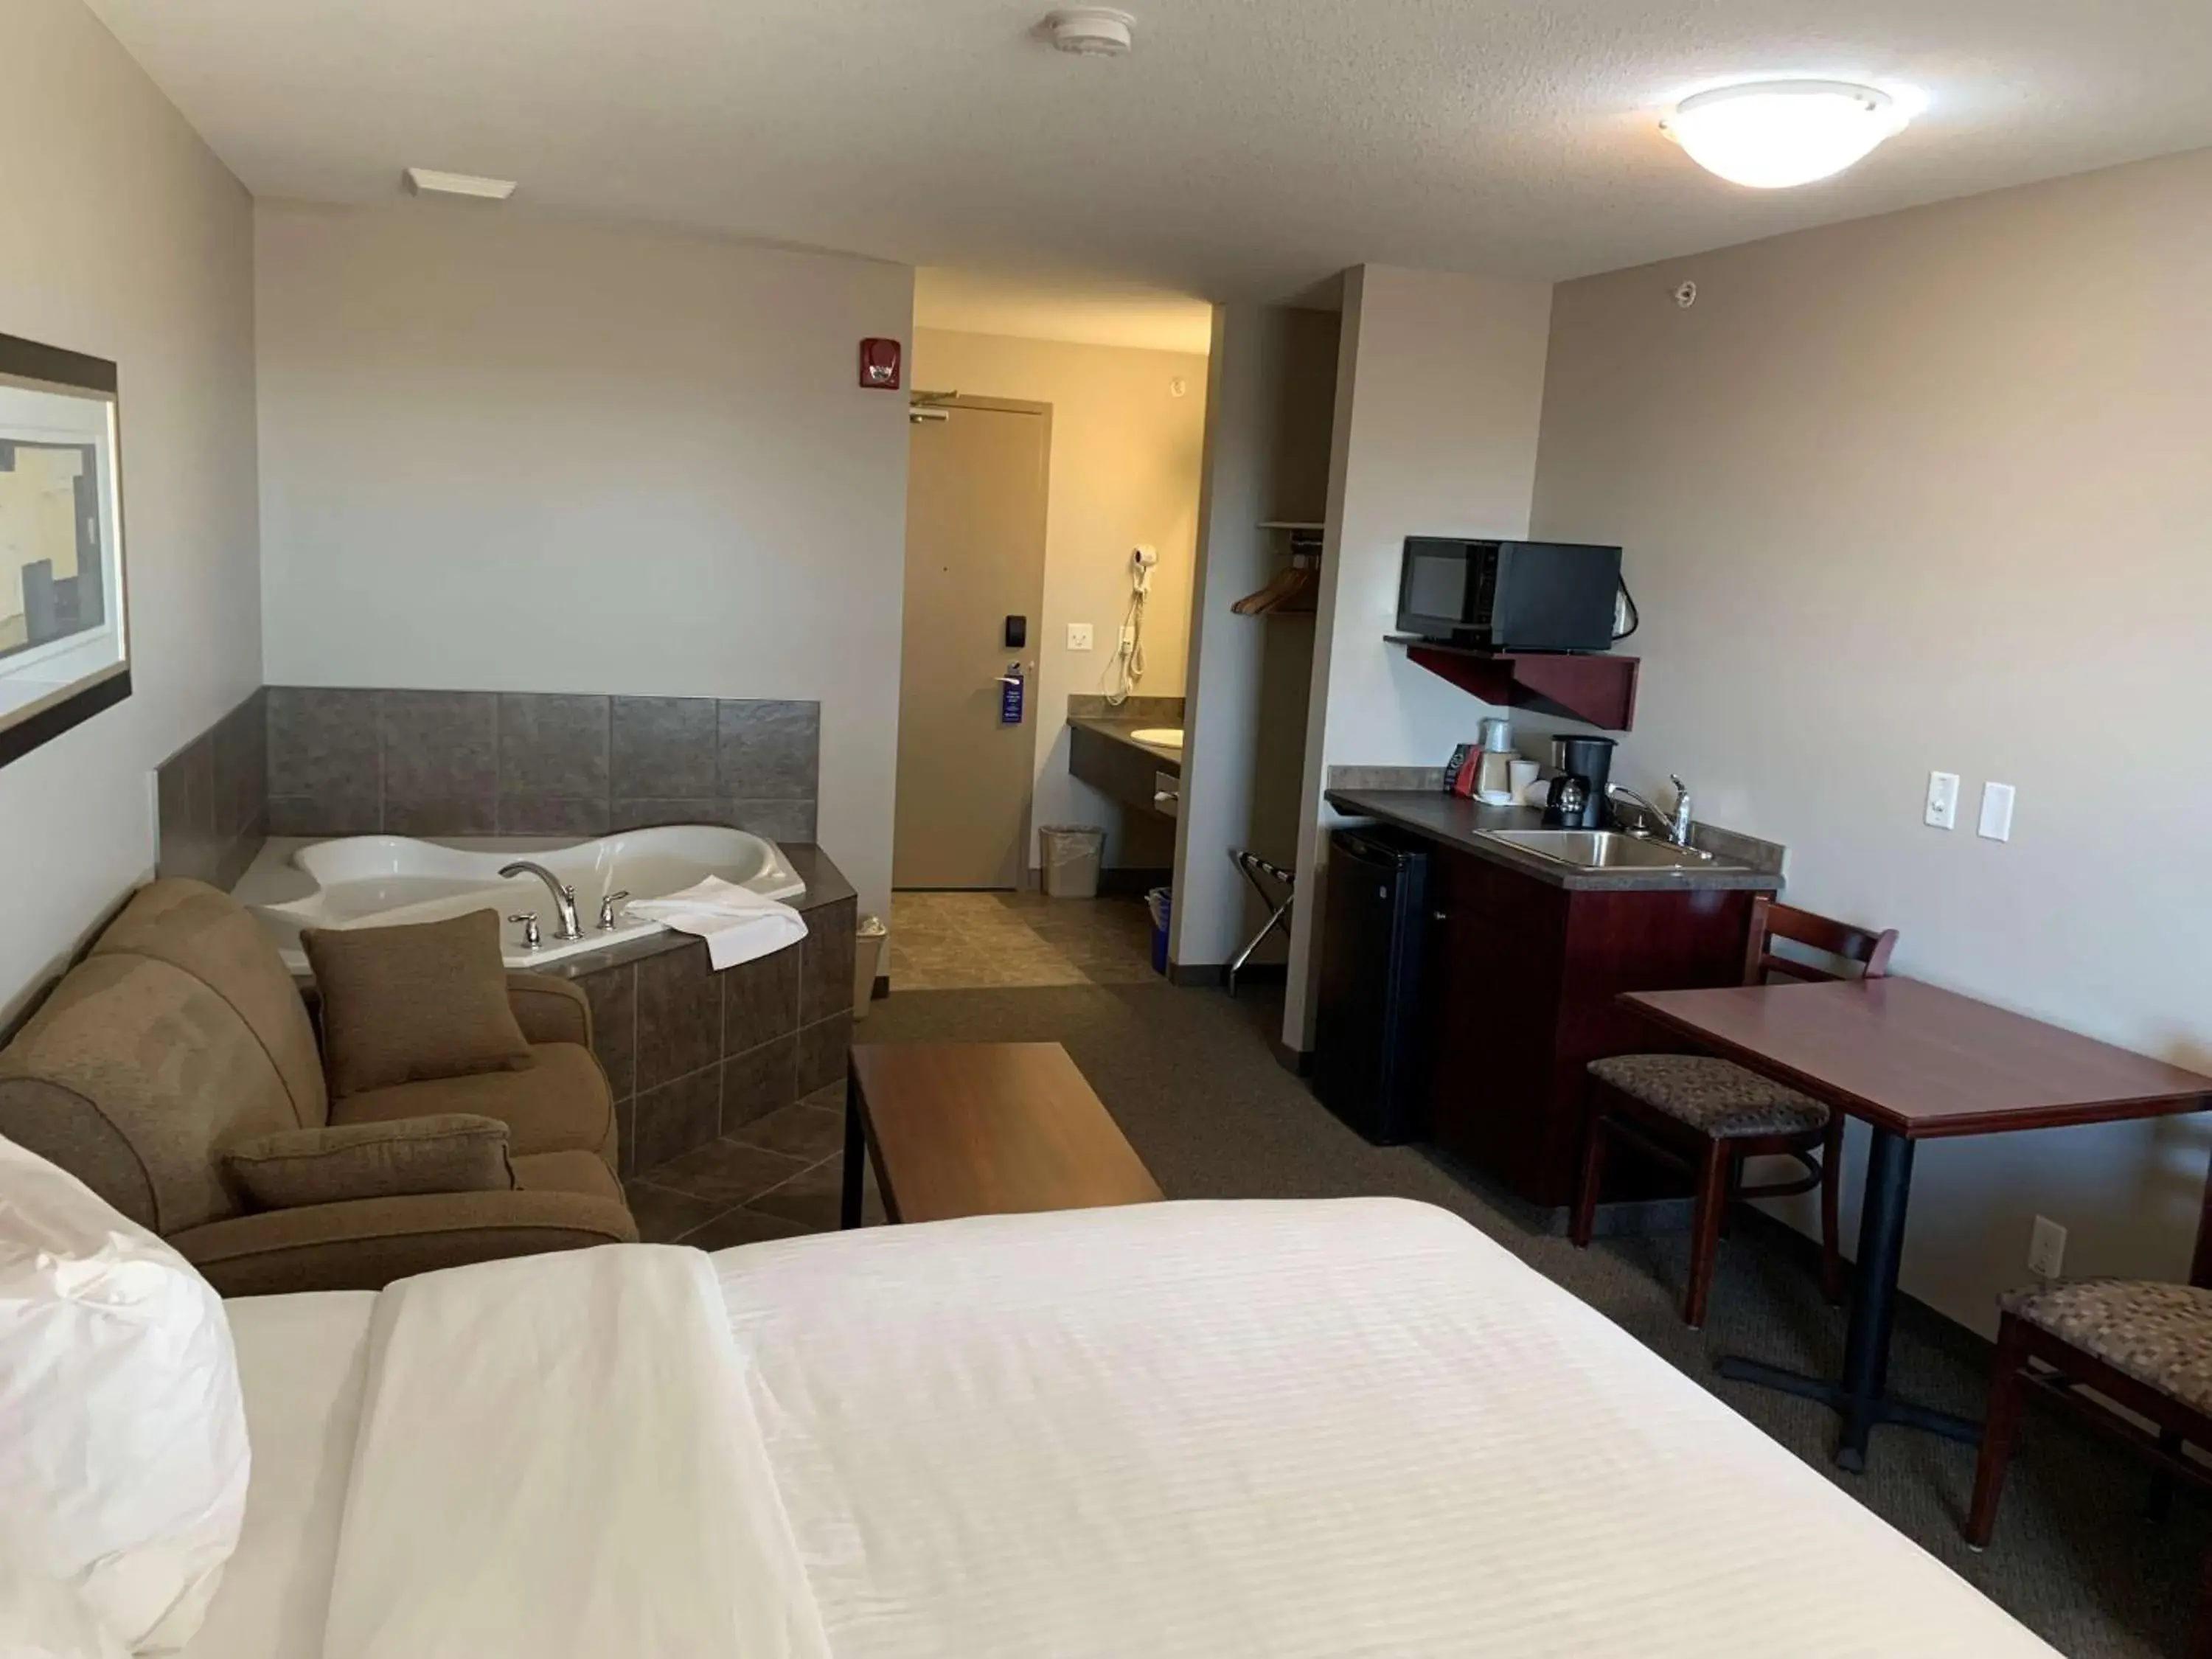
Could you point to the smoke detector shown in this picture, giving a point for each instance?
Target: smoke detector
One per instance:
(427, 181)
(1090, 30)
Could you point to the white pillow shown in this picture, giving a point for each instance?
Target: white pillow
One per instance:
(122, 1445)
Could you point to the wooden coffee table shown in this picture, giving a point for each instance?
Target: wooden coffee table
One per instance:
(982, 1128)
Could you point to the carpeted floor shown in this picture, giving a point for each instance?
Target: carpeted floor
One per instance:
(1190, 1078)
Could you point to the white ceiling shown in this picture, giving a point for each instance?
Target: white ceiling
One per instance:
(1249, 148)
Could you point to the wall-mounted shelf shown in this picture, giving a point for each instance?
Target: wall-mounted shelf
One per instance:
(1598, 690)
(1294, 526)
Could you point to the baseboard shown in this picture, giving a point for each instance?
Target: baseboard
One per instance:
(1189, 974)
(1298, 1062)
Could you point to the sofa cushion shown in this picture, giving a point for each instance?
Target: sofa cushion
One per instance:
(557, 1101)
(452, 1152)
(214, 939)
(128, 1076)
(412, 1003)
(585, 1173)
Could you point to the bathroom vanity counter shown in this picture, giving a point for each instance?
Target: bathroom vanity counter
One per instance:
(1106, 755)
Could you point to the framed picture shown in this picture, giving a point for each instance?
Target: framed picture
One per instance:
(65, 633)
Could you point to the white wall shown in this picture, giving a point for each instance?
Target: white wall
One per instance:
(125, 237)
(1439, 392)
(1269, 414)
(1125, 452)
(1934, 491)
(504, 453)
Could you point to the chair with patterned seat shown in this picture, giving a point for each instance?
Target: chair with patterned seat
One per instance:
(2142, 1346)
(1709, 1116)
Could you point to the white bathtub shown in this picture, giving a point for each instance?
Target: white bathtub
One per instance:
(377, 881)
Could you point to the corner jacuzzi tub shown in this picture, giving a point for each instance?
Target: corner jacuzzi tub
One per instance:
(380, 881)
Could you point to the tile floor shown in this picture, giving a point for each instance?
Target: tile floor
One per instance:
(777, 1177)
(982, 941)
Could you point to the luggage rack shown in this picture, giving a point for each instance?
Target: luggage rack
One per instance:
(1259, 872)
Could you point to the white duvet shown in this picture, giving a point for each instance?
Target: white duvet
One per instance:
(1346, 1428)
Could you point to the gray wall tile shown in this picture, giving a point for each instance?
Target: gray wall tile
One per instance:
(822, 1050)
(663, 748)
(241, 766)
(679, 1015)
(827, 984)
(778, 820)
(645, 814)
(761, 1081)
(440, 814)
(678, 1116)
(324, 744)
(760, 1000)
(552, 746)
(612, 993)
(439, 747)
(769, 751)
(189, 844)
(326, 815)
(539, 815)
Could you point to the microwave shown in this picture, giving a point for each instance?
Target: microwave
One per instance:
(1509, 596)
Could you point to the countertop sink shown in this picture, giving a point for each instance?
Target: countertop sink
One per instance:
(1167, 737)
(1607, 849)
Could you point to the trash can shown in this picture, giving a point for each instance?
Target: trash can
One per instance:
(1160, 901)
(867, 963)
(1072, 853)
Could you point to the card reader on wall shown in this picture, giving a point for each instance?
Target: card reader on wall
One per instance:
(1017, 632)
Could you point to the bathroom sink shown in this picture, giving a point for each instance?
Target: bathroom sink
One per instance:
(1607, 849)
(1164, 737)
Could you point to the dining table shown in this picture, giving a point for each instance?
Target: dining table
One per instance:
(1914, 1063)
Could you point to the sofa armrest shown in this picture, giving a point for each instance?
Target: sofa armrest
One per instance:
(364, 1243)
(550, 1010)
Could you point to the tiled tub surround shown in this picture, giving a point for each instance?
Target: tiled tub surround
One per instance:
(346, 761)
(211, 797)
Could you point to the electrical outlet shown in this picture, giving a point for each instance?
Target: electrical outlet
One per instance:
(2046, 1247)
(1079, 636)
(1943, 800)
(1997, 811)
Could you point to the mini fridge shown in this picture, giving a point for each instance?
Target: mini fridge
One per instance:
(1367, 1042)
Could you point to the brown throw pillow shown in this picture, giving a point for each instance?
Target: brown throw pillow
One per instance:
(403, 1004)
(451, 1152)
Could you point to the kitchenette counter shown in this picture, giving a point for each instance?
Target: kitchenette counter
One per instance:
(1454, 822)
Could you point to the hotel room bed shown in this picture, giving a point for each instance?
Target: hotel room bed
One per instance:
(1294, 1429)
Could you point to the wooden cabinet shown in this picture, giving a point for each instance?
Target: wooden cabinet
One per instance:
(1520, 988)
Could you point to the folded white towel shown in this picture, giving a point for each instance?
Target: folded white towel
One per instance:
(738, 924)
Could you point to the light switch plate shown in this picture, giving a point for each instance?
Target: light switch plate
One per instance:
(1997, 811)
(1943, 800)
(1079, 636)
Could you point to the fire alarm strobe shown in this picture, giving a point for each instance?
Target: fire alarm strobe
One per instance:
(879, 365)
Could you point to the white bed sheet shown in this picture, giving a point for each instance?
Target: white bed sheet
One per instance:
(1356, 1427)
(1295, 1430)
(303, 1363)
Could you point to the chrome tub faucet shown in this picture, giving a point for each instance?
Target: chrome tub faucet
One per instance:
(564, 897)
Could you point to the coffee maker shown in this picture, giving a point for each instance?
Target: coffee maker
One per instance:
(1589, 760)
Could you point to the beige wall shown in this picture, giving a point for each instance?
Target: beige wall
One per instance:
(1125, 470)
(513, 455)
(1934, 491)
(1440, 389)
(125, 237)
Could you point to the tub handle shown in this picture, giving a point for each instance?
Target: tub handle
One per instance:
(530, 937)
(607, 910)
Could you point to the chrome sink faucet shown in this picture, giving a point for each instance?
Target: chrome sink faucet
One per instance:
(564, 897)
(1674, 828)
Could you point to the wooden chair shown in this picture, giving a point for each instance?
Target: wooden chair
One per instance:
(2144, 1346)
(1708, 1115)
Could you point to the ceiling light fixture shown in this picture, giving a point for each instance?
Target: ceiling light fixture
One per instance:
(1770, 135)
(427, 181)
(1090, 30)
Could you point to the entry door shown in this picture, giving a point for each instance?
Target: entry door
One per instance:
(974, 555)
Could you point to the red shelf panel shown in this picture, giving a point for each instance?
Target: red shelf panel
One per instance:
(1599, 690)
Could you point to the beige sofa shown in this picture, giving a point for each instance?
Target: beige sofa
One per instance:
(182, 1033)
